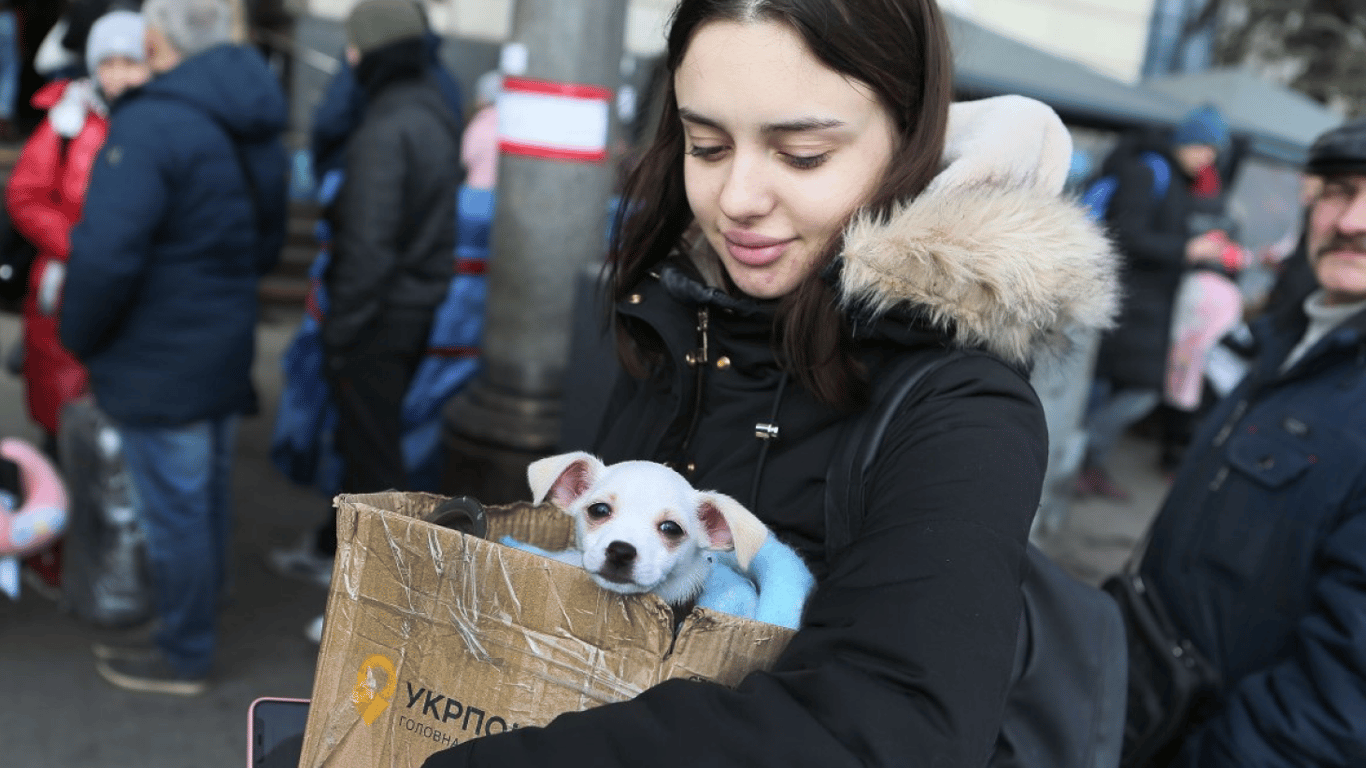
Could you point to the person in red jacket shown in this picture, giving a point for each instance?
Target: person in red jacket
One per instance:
(46, 192)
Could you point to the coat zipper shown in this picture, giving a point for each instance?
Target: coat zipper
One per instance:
(698, 360)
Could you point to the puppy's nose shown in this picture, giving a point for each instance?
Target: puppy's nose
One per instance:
(620, 553)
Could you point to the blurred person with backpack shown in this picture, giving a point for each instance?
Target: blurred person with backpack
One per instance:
(46, 193)
(185, 212)
(1163, 192)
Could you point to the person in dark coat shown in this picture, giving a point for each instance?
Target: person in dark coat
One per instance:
(790, 236)
(393, 248)
(185, 212)
(1259, 551)
(385, 125)
(1161, 236)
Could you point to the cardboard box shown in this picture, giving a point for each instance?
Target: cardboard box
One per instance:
(434, 637)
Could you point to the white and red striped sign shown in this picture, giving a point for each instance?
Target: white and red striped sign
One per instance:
(555, 121)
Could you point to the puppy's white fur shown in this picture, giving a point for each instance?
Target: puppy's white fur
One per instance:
(641, 527)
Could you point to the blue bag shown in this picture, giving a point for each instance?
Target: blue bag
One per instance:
(1096, 198)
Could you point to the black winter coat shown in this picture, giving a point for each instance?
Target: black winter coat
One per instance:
(905, 650)
(393, 222)
(1151, 233)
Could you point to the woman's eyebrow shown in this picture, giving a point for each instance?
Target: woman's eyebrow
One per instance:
(689, 116)
(791, 126)
(803, 124)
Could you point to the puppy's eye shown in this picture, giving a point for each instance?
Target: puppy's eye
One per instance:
(671, 529)
(598, 511)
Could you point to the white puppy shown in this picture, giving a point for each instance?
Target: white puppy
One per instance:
(641, 527)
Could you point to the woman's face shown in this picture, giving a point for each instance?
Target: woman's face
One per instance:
(780, 149)
(119, 73)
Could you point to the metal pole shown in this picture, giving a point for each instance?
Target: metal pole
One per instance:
(561, 69)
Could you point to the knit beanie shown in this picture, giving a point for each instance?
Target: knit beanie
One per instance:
(118, 33)
(1202, 125)
(374, 24)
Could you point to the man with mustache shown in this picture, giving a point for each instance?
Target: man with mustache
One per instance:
(1259, 552)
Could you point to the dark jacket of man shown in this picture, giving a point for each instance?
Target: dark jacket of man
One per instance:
(393, 222)
(160, 299)
(1259, 554)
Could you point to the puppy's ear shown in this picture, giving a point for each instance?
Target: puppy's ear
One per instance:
(562, 479)
(730, 526)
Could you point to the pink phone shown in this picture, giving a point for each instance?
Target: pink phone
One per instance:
(275, 732)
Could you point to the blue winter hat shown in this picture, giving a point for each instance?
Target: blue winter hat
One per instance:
(1202, 125)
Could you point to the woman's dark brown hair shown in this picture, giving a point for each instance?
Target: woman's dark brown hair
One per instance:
(897, 47)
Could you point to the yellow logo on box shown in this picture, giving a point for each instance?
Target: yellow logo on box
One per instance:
(369, 698)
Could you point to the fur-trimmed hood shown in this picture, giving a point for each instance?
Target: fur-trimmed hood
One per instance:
(991, 251)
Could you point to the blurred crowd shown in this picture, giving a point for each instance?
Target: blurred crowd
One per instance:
(153, 193)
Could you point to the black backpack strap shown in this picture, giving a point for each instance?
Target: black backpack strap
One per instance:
(858, 446)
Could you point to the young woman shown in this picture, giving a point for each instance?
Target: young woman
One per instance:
(46, 192)
(809, 213)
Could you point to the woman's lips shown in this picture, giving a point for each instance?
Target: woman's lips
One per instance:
(755, 250)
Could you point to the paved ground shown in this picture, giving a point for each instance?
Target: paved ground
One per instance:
(58, 713)
(1097, 536)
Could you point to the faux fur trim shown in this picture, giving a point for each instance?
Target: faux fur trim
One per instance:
(1012, 269)
(989, 250)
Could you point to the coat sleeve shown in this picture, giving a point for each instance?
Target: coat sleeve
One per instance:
(367, 227)
(1310, 708)
(905, 651)
(1133, 218)
(110, 246)
(29, 193)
